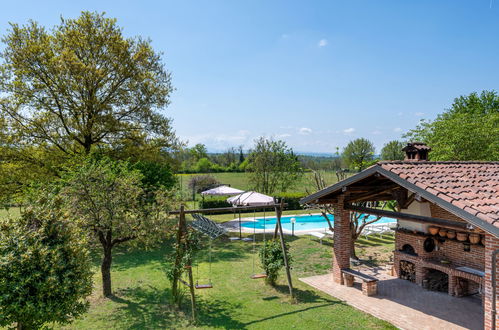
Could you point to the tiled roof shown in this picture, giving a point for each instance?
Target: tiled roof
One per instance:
(471, 186)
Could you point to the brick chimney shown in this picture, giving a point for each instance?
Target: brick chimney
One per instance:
(416, 151)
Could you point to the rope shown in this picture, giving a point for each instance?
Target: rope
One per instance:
(264, 225)
(254, 239)
(209, 260)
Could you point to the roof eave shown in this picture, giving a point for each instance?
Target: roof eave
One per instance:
(474, 220)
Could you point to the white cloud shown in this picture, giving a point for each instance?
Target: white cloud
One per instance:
(376, 132)
(397, 129)
(419, 114)
(305, 131)
(349, 130)
(281, 136)
(322, 43)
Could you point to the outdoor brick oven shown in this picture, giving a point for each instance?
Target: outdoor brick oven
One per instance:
(463, 263)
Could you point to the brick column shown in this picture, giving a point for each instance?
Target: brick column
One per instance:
(452, 284)
(342, 239)
(491, 244)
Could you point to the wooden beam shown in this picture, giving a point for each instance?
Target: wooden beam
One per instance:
(371, 194)
(228, 209)
(368, 188)
(410, 217)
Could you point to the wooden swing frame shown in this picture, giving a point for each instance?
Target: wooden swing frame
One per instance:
(182, 231)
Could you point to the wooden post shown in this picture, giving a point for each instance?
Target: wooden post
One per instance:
(181, 249)
(283, 247)
(191, 288)
(178, 258)
(183, 226)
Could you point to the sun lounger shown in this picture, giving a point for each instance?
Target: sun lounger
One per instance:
(320, 236)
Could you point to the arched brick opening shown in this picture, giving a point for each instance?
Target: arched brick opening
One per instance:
(435, 280)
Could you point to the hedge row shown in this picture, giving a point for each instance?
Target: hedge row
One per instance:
(292, 199)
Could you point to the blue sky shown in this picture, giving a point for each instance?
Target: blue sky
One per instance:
(316, 74)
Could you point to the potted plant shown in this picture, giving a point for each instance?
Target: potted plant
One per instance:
(474, 238)
(433, 230)
(462, 237)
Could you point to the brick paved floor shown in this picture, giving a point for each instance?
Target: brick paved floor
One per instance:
(405, 304)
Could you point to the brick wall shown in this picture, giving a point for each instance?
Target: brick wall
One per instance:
(438, 212)
(449, 249)
(342, 240)
(491, 244)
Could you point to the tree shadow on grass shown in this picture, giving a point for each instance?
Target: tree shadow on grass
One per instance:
(218, 313)
(143, 308)
(308, 298)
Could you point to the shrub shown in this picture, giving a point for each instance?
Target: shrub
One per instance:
(272, 259)
(45, 268)
(200, 183)
(292, 199)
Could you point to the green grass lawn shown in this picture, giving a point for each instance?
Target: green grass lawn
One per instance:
(236, 302)
(142, 292)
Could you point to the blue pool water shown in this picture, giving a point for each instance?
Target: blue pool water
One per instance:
(303, 222)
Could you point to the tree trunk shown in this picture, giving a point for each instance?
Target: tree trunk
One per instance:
(353, 255)
(106, 270)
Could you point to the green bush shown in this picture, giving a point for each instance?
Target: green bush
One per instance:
(272, 259)
(292, 199)
(45, 268)
(214, 202)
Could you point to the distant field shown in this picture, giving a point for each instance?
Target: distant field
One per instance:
(241, 181)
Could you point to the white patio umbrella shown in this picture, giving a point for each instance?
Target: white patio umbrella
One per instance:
(222, 191)
(249, 198)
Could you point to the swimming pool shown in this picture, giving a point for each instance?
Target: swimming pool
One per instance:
(303, 222)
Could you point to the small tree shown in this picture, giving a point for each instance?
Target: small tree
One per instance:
(359, 154)
(107, 199)
(273, 166)
(272, 259)
(393, 151)
(199, 183)
(45, 268)
(466, 131)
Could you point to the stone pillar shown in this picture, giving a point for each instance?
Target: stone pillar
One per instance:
(421, 273)
(370, 288)
(491, 244)
(342, 239)
(452, 284)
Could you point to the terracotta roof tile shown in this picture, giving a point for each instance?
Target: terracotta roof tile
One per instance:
(471, 186)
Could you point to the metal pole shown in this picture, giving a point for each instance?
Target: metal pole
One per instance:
(240, 234)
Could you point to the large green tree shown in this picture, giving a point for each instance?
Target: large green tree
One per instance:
(469, 130)
(79, 87)
(393, 151)
(45, 267)
(358, 154)
(109, 200)
(273, 166)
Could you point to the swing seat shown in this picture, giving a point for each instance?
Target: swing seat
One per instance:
(203, 286)
(258, 276)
